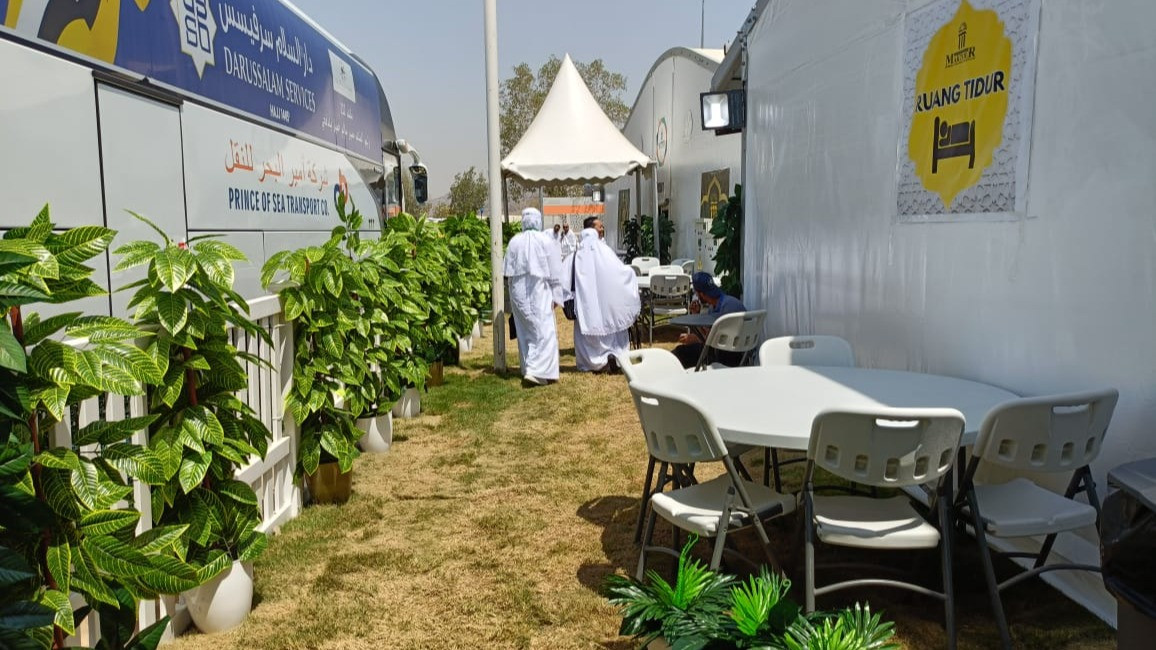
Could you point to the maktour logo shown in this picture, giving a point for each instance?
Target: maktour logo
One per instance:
(197, 31)
(964, 53)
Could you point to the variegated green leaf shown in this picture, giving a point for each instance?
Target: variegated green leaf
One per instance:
(159, 539)
(106, 432)
(193, 470)
(107, 522)
(133, 254)
(80, 244)
(61, 608)
(116, 558)
(11, 352)
(237, 491)
(174, 266)
(59, 458)
(59, 558)
(86, 577)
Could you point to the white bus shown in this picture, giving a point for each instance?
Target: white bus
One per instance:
(241, 117)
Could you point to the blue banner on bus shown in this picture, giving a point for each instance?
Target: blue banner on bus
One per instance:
(258, 56)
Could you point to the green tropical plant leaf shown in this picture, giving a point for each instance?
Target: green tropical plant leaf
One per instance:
(174, 266)
(238, 491)
(172, 311)
(114, 557)
(80, 244)
(217, 562)
(13, 568)
(11, 352)
(62, 610)
(59, 559)
(134, 254)
(156, 540)
(193, 470)
(13, 294)
(150, 637)
(107, 432)
(107, 522)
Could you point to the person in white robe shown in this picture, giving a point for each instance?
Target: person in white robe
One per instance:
(567, 241)
(605, 299)
(532, 269)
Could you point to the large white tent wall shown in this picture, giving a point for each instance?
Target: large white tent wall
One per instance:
(668, 100)
(1061, 299)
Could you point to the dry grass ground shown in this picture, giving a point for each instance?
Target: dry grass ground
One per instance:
(494, 520)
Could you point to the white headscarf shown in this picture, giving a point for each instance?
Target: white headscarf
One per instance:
(607, 293)
(531, 252)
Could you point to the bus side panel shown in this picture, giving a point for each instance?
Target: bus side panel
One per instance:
(140, 142)
(242, 176)
(48, 143)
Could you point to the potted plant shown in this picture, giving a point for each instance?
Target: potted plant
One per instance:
(65, 529)
(469, 239)
(708, 609)
(727, 230)
(321, 294)
(201, 434)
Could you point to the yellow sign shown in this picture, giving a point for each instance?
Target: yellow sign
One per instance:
(961, 102)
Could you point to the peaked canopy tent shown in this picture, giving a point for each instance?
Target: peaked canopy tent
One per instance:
(572, 141)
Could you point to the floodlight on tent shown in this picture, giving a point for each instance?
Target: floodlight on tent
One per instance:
(723, 112)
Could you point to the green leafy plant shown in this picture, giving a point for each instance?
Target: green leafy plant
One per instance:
(201, 433)
(509, 229)
(687, 614)
(708, 609)
(321, 289)
(469, 238)
(727, 229)
(855, 628)
(666, 236)
(633, 233)
(62, 528)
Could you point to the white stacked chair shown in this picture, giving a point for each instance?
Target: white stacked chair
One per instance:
(678, 433)
(669, 297)
(889, 448)
(645, 263)
(738, 332)
(1038, 436)
(800, 351)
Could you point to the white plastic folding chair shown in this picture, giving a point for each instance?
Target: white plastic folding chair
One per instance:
(688, 267)
(682, 263)
(1056, 434)
(738, 333)
(888, 448)
(669, 297)
(806, 351)
(679, 432)
(665, 269)
(646, 365)
(645, 263)
(800, 351)
(636, 269)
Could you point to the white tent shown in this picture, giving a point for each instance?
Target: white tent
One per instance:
(571, 139)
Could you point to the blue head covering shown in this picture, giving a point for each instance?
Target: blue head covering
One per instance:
(704, 284)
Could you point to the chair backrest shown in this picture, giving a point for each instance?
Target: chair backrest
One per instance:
(649, 363)
(886, 447)
(637, 271)
(645, 263)
(672, 285)
(806, 351)
(677, 431)
(1053, 433)
(664, 269)
(737, 332)
(688, 266)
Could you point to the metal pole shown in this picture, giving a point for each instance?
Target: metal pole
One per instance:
(702, 27)
(657, 230)
(497, 304)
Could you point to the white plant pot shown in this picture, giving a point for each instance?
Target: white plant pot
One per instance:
(465, 345)
(477, 332)
(409, 406)
(378, 433)
(222, 603)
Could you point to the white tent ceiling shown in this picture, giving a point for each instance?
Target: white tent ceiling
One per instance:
(571, 139)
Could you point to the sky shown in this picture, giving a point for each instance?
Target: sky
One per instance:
(430, 55)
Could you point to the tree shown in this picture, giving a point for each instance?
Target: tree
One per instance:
(468, 192)
(521, 97)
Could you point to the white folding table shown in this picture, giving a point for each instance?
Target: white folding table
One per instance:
(774, 406)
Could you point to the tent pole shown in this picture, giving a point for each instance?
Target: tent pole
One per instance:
(638, 204)
(657, 232)
(498, 297)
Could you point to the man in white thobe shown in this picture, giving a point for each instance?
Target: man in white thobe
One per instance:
(532, 269)
(605, 299)
(568, 241)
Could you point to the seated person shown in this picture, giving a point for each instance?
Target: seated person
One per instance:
(690, 344)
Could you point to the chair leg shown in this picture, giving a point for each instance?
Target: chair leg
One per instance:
(946, 544)
(647, 536)
(644, 504)
(773, 460)
(724, 522)
(809, 541)
(989, 571)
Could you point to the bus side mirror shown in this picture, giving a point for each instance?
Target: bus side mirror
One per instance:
(420, 183)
